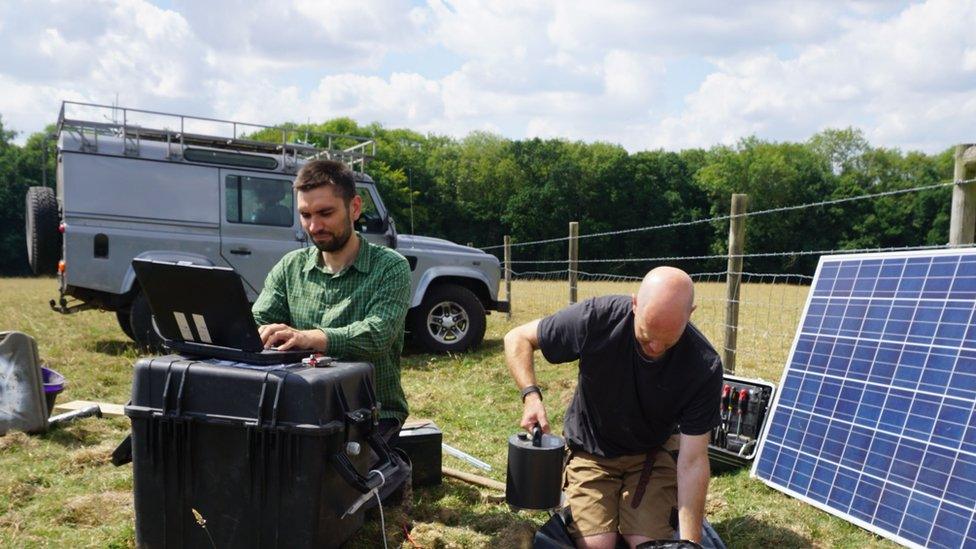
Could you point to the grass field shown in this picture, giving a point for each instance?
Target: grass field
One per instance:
(60, 490)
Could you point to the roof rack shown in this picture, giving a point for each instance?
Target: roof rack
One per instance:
(87, 121)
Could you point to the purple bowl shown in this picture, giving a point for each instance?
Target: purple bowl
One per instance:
(53, 385)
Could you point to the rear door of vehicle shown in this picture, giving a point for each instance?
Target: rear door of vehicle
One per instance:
(258, 223)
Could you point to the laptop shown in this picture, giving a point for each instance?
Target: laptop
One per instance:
(203, 311)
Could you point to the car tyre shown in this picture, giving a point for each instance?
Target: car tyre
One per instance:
(125, 322)
(41, 227)
(141, 323)
(449, 319)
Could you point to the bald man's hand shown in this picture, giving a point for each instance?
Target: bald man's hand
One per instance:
(533, 412)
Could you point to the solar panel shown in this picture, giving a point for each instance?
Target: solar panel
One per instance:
(874, 420)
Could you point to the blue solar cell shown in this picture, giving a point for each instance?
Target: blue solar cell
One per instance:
(827, 397)
(917, 519)
(891, 508)
(909, 368)
(948, 529)
(963, 288)
(953, 323)
(866, 498)
(892, 268)
(961, 487)
(822, 481)
(962, 382)
(847, 402)
(856, 449)
(950, 422)
(842, 287)
(840, 356)
(834, 441)
(886, 287)
(852, 320)
(909, 288)
(842, 492)
(862, 360)
(906, 461)
(876, 417)
(934, 380)
(934, 471)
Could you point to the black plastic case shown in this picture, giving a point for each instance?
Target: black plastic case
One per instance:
(422, 444)
(738, 448)
(266, 457)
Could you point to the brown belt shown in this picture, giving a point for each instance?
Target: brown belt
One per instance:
(645, 476)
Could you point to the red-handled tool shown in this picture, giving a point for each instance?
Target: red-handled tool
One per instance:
(742, 409)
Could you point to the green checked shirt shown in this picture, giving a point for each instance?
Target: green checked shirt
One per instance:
(361, 309)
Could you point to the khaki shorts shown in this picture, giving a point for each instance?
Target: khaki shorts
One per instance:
(599, 492)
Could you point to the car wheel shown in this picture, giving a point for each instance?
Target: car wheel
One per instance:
(450, 318)
(141, 323)
(125, 322)
(41, 227)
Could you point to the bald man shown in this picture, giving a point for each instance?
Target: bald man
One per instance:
(649, 385)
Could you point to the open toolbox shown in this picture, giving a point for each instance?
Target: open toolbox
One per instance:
(744, 409)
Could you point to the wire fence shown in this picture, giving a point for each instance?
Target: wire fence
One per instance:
(769, 305)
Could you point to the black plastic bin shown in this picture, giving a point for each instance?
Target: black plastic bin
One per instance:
(266, 457)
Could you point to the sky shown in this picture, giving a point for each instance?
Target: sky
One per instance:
(646, 75)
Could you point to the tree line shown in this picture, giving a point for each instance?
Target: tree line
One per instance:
(481, 187)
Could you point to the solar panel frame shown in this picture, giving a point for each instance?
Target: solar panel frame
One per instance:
(876, 341)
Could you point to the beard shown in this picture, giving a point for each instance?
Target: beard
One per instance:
(335, 243)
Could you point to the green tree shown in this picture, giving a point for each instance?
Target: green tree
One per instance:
(20, 168)
(773, 175)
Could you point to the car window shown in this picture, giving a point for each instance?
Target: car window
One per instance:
(259, 201)
(371, 214)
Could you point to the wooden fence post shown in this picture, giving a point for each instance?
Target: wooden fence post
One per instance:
(962, 224)
(733, 278)
(508, 275)
(573, 259)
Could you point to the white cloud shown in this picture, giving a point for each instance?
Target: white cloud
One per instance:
(904, 80)
(559, 68)
(302, 33)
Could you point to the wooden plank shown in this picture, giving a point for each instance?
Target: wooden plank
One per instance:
(108, 409)
(474, 479)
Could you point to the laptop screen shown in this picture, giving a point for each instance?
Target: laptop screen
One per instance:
(199, 304)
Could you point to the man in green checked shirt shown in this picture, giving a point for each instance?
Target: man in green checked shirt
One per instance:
(345, 297)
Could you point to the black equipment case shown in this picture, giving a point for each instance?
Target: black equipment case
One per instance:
(733, 444)
(421, 441)
(228, 456)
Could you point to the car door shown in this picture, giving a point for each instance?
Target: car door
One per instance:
(258, 224)
(373, 222)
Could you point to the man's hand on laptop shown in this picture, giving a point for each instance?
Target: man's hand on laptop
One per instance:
(284, 338)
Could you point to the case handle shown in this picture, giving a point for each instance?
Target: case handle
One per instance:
(387, 465)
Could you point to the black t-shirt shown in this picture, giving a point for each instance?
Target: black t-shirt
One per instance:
(625, 404)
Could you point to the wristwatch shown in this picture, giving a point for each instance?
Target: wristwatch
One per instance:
(531, 389)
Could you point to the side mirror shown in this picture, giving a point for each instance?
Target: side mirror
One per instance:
(376, 225)
(391, 234)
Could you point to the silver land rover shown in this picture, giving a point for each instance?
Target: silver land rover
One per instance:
(134, 183)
